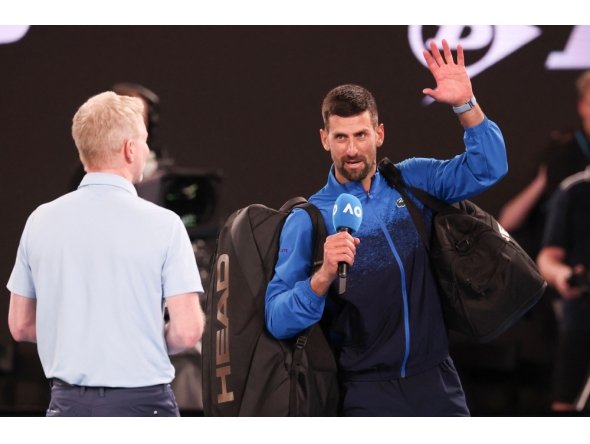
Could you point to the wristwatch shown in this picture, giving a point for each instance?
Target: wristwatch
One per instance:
(465, 107)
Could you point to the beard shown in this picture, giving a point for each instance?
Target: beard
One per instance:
(358, 174)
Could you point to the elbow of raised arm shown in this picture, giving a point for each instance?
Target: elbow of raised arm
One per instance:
(498, 169)
(494, 173)
(503, 170)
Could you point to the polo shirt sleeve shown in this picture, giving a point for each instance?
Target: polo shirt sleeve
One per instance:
(180, 274)
(21, 280)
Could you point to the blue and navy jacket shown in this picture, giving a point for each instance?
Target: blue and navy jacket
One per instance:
(390, 323)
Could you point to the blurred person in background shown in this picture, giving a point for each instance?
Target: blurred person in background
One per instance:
(525, 215)
(564, 262)
(567, 153)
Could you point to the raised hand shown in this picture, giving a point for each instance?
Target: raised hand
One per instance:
(452, 81)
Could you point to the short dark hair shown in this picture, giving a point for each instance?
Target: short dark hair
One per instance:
(347, 101)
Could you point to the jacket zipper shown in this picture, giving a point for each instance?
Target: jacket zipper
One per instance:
(404, 292)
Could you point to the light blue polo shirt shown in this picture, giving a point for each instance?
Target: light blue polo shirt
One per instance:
(100, 262)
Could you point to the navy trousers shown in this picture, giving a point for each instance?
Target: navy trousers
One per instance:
(157, 400)
(435, 392)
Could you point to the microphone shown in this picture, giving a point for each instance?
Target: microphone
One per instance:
(347, 215)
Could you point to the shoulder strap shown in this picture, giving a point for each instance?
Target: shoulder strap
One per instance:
(318, 238)
(394, 179)
(292, 203)
(320, 233)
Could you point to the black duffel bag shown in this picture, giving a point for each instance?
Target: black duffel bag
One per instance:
(486, 280)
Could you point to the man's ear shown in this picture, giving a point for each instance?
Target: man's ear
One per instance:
(129, 151)
(380, 131)
(324, 138)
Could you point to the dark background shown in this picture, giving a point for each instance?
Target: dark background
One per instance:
(246, 100)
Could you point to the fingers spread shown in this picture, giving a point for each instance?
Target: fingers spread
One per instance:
(460, 56)
(432, 65)
(447, 51)
(436, 53)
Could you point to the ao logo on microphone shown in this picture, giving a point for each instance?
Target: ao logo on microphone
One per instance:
(501, 41)
(347, 213)
(357, 211)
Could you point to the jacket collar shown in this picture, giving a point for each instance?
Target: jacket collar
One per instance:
(354, 188)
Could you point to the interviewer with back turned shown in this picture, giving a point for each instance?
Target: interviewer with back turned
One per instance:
(93, 271)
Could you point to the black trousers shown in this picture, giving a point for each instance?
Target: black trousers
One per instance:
(157, 400)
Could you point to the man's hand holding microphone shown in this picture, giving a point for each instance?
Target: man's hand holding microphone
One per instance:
(339, 248)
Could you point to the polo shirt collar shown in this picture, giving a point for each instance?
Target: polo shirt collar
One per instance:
(92, 179)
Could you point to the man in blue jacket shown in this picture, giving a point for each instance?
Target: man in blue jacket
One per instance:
(388, 330)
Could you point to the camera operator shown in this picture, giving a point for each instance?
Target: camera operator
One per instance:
(564, 262)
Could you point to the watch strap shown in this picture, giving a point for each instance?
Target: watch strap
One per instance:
(470, 104)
